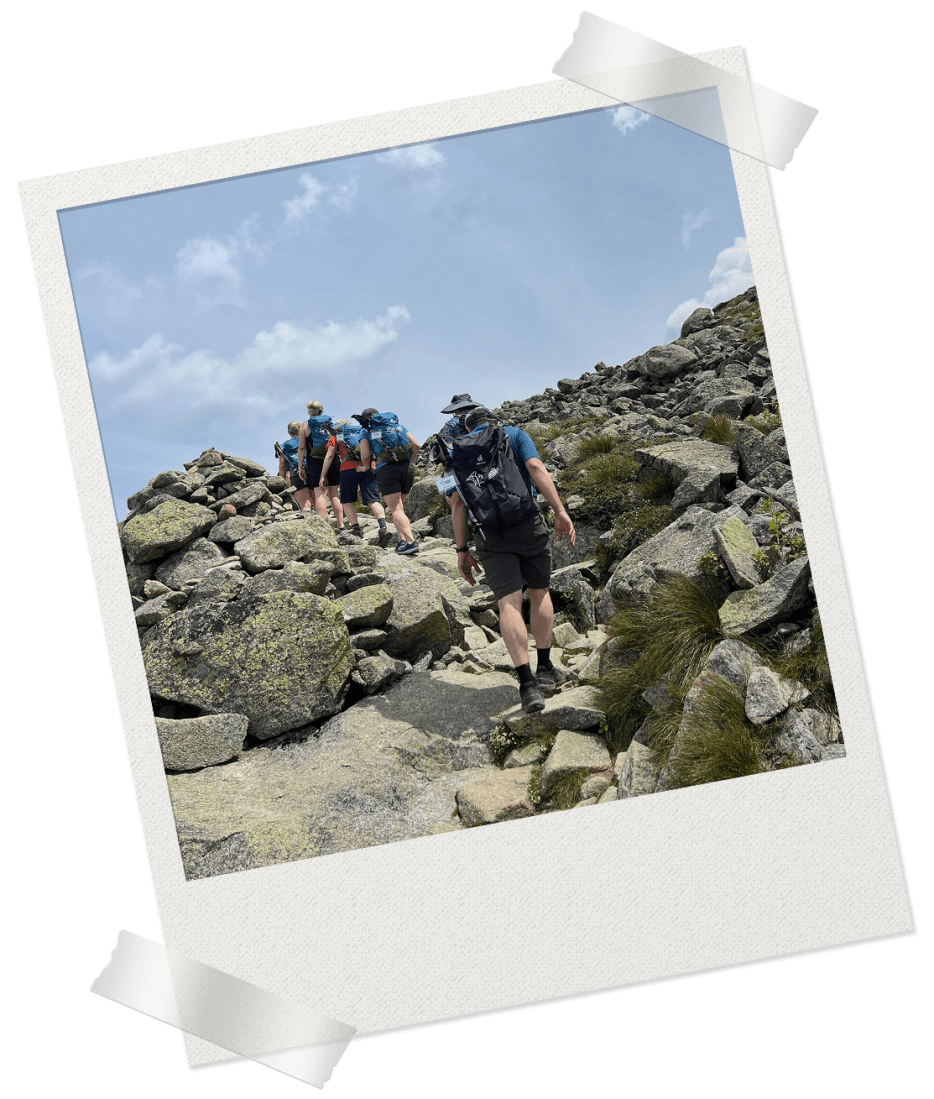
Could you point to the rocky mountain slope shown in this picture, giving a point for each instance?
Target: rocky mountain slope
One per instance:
(315, 694)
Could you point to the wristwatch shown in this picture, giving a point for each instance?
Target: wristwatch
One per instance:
(462, 549)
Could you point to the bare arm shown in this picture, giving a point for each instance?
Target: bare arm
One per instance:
(416, 445)
(366, 454)
(546, 487)
(465, 561)
(328, 459)
(302, 436)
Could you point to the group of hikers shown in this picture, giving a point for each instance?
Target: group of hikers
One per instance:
(492, 477)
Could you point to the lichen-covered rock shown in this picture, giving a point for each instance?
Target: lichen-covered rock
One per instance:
(155, 610)
(794, 744)
(195, 742)
(231, 530)
(778, 599)
(573, 751)
(756, 451)
(636, 771)
(696, 488)
(425, 609)
(372, 673)
(312, 577)
(249, 467)
(282, 659)
(733, 660)
(687, 457)
(254, 492)
(366, 608)
(190, 563)
(422, 498)
(768, 694)
(502, 795)
(574, 710)
(219, 586)
(825, 728)
(169, 526)
(272, 546)
(737, 548)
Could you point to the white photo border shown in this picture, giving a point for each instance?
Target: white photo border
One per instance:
(427, 929)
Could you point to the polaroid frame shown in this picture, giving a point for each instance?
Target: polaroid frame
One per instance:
(433, 928)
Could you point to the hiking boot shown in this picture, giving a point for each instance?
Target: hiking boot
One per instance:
(549, 679)
(409, 547)
(384, 538)
(400, 545)
(531, 698)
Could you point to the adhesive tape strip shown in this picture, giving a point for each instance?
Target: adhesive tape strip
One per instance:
(691, 93)
(223, 1009)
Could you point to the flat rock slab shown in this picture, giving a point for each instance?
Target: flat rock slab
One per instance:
(573, 710)
(362, 780)
(195, 742)
(367, 607)
(375, 672)
(157, 609)
(231, 530)
(282, 659)
(766, 604)
(690, 456)
(169, 526)
(501, 796)
(190, 563)
(737, 548)
(572, 752)
(297, 576)
(425, 609)
(664, 361)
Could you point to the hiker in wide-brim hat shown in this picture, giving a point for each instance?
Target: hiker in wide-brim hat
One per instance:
(497, 470)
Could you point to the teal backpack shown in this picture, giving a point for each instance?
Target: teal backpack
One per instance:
(350, 435)
(388, 438)
(320, 429)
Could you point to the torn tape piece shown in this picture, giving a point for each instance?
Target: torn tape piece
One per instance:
(691, 93)
(223, 1009)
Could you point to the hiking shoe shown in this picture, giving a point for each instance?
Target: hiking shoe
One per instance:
(385, 537)
(549, 680)
(400, 545)
(410, 547)
(531, 698)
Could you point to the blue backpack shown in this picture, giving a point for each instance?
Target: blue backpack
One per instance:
(350, 435)
(320, 429)
(389, 438)
(290, 452)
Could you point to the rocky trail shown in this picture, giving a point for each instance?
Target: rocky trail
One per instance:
(315, 693)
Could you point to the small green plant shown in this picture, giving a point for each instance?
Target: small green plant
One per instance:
(591, 445)
(805, 659)
(535, 786)
(711, 566)
(657, 487)
(761, 559)
(720, 430)
(792, 540)
(565, 791)
(768, 420)
(502, 741)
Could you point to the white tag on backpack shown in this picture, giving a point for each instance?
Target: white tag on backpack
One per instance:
(444, 483)
(377, 434)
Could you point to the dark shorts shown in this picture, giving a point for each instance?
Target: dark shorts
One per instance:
(395, 477)
(313, 467)
(519, 557)
(362, 481)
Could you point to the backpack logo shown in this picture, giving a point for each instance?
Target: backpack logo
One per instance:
(476, 478)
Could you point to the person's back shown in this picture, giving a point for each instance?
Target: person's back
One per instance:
(393, 447)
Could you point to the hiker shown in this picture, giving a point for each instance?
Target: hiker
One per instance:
(496, 469)
(441, 443)
(312, 449)
(356, 476)
(394, 449)
(288, 453)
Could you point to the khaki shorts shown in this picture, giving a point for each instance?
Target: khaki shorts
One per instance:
(518, 558)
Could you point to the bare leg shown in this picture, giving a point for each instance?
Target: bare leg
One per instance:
(321, 506)
(399, 519)
(335, 496)
(350, 513)
(303, 499)
(512, 627)
(378, 510)
(542, 616)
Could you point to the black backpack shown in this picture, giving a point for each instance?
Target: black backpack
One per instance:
(490, 481)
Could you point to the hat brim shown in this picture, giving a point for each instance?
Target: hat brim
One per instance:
(460, 406)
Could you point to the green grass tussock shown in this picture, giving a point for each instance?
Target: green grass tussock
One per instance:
(717, 740)
(565, 791)
(720, 430)
(810, 666)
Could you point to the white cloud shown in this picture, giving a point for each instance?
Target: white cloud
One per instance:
(418, 157)
(691, 223)
(626, 118)
(212, 269)
(731, 275)
(117, 293)
(173, 389)
(344, 196)
(296, 208)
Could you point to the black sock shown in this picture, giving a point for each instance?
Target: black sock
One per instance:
(526, 679)
(356, 528)
(382, 523)
(544, 657)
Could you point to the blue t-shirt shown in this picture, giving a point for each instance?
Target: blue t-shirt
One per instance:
(522, 448)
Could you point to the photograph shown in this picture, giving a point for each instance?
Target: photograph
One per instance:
(452, 486)
(363, 206)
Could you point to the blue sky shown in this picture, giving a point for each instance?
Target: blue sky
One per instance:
(494, 263)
